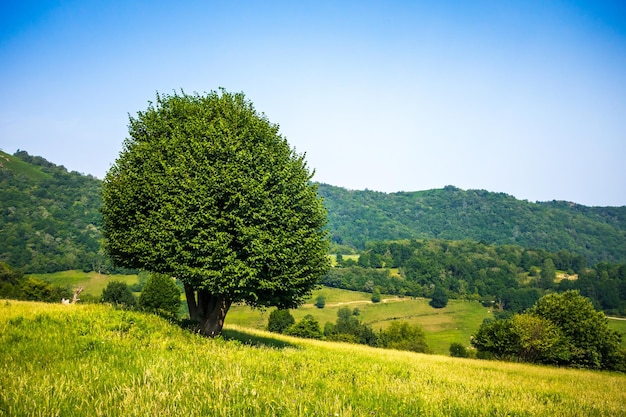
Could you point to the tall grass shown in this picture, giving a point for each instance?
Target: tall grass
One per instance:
(92, 360)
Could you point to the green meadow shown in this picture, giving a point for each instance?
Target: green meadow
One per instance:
(92, 360)
(92, 282)
(454, 323)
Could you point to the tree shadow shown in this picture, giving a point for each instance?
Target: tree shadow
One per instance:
(256, 340)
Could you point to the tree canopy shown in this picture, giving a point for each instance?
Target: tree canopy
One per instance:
(206, 190)
(560, 329)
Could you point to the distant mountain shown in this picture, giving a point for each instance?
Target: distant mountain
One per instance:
(356, 217)
(50, 219)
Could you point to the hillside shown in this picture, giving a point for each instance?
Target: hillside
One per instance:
(49, 219)
(93, 360)
(356, 217)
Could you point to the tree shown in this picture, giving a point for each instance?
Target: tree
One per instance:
(160, 295)
(457, 350)
(559, 329)
(548, 274)
(118, 294)
(34, 289)
(404, 336)
(593, 344)
(279, 321)
(440, 298)
(376, 297)
(308, 328)
(496, 338)
(348, 328)
(207, 190)
(320, 301)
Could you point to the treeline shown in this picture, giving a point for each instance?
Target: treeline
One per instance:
(510, 277)
(357, 217)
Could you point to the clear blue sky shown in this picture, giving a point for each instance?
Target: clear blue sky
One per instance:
(522, 97)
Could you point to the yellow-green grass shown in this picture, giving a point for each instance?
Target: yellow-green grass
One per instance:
(333, 258)
(92, 360)
(92, 282)
(454, 323)
(619, 325)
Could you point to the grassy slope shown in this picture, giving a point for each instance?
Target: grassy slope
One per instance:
(454, 323)
(92, 282)
(619, 325)
(92, 360)
(20, 167)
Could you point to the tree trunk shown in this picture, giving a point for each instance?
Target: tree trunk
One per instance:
(207, 309)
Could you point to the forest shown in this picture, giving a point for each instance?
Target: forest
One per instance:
(509, 277)
(357, 217)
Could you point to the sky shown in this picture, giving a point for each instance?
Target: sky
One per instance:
(527, 97)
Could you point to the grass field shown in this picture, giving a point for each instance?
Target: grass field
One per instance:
(91, 360)
(454, 323)
(619, 325)
(92, 282)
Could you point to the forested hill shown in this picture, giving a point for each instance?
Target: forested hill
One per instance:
(355, 217)
(49, 217)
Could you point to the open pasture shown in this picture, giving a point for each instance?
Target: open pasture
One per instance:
(454, 323)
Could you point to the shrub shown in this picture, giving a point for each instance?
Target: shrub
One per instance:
(118, 294)
(457, 350)
(404, 336)
(308, 328)
(160, 295)
(279, 321)
(320, 301)
(33, 289)
(440, 298)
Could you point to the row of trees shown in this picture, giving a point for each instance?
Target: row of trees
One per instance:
(560, 329)
(348, 328)
(510, 276)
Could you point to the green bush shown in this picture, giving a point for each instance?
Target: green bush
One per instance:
(308, 328)
(160, 295)
(279, 321)
(118, 294)
(320, 301)
(401, 335)
(457, 350)
(440, 298)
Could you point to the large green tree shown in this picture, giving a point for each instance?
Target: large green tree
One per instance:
(208, 191)
(593, 343)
